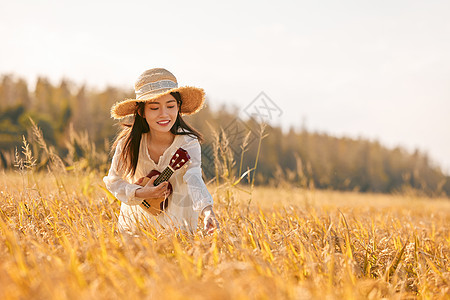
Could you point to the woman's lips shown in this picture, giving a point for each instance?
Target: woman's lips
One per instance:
(163, 123)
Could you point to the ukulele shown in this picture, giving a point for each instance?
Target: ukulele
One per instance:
(155, 206)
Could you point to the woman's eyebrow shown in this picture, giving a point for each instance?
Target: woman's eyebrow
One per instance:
(154, 102)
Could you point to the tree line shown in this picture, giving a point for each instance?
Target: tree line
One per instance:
(75, 121)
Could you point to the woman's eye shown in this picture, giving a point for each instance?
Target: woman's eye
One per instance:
(171, 106)
(153, 108)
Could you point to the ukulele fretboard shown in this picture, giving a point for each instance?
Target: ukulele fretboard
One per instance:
(164, 176)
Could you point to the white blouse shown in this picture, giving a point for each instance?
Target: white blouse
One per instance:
(190, 195)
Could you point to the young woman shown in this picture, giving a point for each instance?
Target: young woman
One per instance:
(149, 143)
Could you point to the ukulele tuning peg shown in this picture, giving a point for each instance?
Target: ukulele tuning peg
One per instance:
(177, 166)
(176, 155)
(182, 160)
(173, 160)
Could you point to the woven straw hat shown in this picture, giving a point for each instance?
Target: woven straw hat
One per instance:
(157, 82)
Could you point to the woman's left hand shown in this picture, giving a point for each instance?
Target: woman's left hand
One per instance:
(210, 222)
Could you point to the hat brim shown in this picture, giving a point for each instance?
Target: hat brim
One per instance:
(193, 99)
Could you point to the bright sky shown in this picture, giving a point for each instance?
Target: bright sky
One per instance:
(376, 69)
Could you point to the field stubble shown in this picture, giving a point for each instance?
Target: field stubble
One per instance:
(59, 240)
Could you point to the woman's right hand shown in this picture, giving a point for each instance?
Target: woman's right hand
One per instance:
(151, 191)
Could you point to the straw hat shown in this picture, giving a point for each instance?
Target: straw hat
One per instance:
(157, 82)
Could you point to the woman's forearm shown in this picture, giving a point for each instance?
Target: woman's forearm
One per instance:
(140, 193)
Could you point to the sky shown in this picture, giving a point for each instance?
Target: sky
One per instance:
(379, 70)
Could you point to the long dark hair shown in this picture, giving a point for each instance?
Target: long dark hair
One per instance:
(132, 134)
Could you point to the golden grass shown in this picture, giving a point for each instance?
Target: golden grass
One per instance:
(59, 240)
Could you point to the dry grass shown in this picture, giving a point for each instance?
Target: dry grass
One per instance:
(59, 240)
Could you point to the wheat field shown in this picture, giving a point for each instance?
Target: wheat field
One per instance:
(59, 240)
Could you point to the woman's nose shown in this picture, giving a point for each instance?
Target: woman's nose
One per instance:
(163, 111)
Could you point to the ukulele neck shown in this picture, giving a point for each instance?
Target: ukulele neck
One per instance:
(164, 176)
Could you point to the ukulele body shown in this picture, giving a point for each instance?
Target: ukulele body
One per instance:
(156, 205)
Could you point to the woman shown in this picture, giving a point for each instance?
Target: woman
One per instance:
(158, 130)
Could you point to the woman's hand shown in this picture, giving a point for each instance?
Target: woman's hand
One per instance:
(151, 191)
(209, 220)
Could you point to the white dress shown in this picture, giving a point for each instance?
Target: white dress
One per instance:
(189, 196)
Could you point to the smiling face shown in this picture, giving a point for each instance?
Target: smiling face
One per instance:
(161, 114)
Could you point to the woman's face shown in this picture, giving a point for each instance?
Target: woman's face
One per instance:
(162, 113)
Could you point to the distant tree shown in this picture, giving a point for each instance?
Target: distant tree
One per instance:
(43, 94)
(300, 158)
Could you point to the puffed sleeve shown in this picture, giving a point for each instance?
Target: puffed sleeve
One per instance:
(120, 188)
(193, 177)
